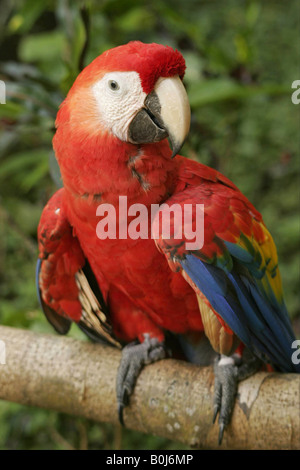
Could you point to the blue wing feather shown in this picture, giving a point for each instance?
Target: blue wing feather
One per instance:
(264, 329)
(216, 292)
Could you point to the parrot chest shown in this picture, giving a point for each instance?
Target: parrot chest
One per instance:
(141, 272)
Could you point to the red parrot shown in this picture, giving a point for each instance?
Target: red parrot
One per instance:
(111, 140)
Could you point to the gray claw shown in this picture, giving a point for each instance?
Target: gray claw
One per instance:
(229, 371)
(221, 432)
(226, 373)
(134, 357)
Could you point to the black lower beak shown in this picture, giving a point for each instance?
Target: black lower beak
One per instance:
(147, 126)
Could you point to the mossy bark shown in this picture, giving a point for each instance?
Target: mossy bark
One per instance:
(172, 399)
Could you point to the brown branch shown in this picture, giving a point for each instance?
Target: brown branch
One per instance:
(172, 399)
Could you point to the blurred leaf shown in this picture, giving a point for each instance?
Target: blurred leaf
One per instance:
(136, 19)
(253, 11)
(242, 49)
(25, 168)
(47, 46)
(25, 213)
(10, 110)
(22, 21)
(215, 90)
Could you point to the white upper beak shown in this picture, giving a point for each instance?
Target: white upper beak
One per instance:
(175, 110)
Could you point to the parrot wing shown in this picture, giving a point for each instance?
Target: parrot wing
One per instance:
(66, 286)
(61, 324)
(235, 273)
(94, 321)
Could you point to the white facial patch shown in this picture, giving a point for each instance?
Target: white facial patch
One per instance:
(119, 96)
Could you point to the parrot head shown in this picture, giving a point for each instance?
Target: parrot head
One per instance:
(134, 93)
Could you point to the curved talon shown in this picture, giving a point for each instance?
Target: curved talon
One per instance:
(226, 379)
(121, 405)
(221, 432)
(229, 371)
(120, 413)
(216, 411)
(134, 357)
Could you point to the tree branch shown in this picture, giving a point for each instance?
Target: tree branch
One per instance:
(172, 399)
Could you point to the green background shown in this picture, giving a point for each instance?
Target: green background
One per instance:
(242, 57)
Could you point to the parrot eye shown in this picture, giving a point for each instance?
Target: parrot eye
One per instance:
(113, 85)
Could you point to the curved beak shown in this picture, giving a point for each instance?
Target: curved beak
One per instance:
(166, 113)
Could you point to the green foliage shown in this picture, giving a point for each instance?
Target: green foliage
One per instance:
(242, 57)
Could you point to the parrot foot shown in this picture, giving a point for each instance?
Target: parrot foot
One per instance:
(228, 372)
(134, 357)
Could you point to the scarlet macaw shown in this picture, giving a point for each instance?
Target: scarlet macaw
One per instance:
(111, 140)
